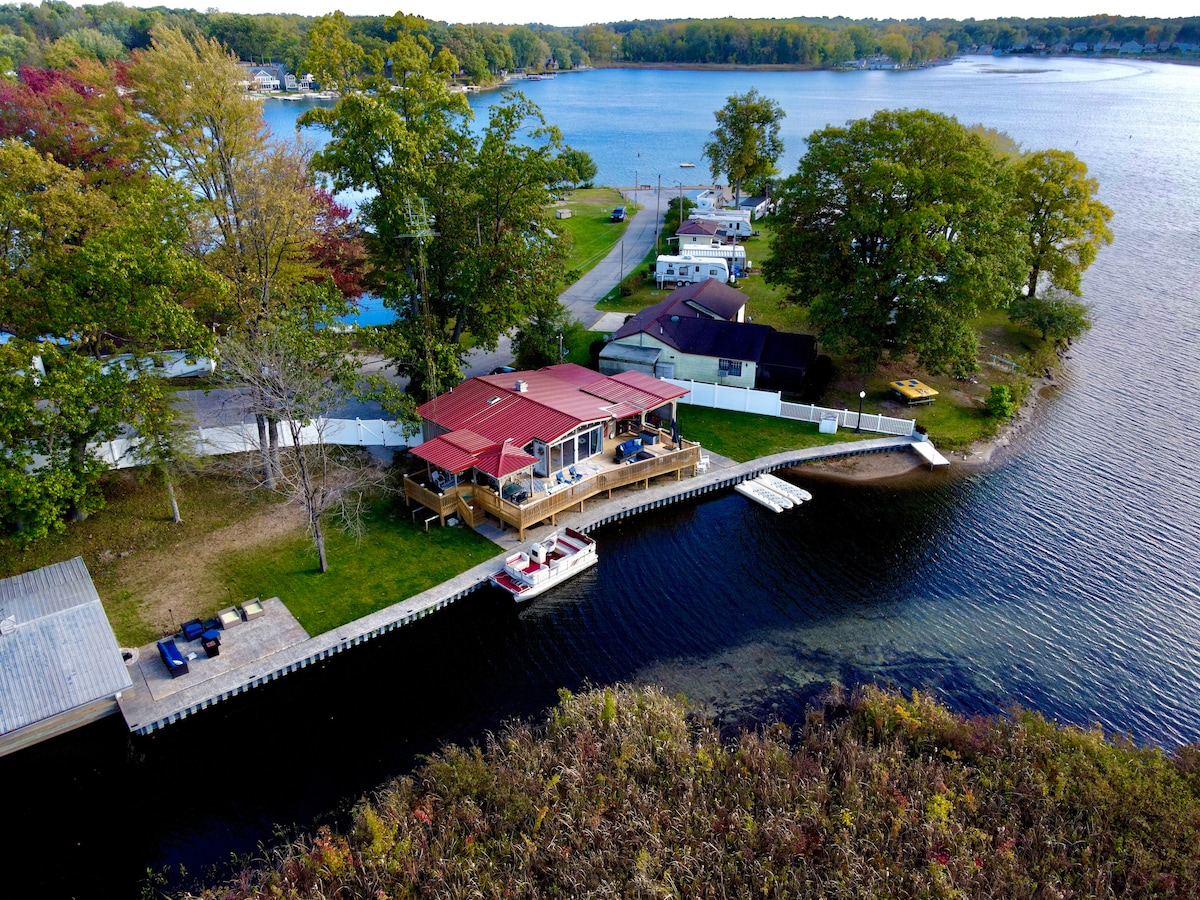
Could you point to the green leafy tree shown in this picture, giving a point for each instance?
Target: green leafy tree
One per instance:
(576, 168)
(537, 340)
(1058, 315)
(745, 146)
(48, 472)
(1064, 222)
(896, 48)
(1000, 403)
(895, 233)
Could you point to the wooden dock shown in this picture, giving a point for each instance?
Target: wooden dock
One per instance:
(275, 645)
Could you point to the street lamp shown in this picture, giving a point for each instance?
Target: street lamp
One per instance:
(858, 425)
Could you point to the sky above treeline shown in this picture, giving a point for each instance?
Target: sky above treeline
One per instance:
(555, 12)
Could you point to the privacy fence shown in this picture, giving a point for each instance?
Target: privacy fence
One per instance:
(771, 403)
(224, 439)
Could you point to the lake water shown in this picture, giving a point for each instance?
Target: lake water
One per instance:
(1064, 579)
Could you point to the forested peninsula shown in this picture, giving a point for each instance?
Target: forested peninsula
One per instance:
(55, 31)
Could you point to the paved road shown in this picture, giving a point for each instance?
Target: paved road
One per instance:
(643, 227)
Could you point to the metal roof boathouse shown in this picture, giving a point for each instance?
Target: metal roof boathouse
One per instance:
(60, 666)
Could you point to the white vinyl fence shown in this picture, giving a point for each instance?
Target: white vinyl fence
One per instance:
(771, 403)
(220, 440)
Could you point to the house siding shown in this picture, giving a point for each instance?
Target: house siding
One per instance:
(689, 367)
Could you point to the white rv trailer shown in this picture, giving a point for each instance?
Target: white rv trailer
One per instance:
(689, 270)
(731, 221)
(733, 254)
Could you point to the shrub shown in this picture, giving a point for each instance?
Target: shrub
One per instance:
(1000, 403)
(621, 793)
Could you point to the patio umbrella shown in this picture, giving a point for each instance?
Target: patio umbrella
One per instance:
(675, 432)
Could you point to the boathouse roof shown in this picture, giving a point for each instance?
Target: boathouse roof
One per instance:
(58, 654)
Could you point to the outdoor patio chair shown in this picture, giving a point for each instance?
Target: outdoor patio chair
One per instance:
(560, 479)
(702, 465)
(192, 629)
(575, 474)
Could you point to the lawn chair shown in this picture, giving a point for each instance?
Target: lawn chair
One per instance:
(575, 474)
(560, 479)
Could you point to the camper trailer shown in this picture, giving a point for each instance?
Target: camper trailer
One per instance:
(689, 270)
(731, 221)
(733, 254)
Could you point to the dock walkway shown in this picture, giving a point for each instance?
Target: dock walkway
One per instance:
(275, 645)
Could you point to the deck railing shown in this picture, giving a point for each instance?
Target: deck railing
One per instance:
(443, 504)
(546, 507)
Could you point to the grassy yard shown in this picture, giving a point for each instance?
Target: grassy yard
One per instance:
(233, 545)
(746, 436)
(392, 561)
(589, 226)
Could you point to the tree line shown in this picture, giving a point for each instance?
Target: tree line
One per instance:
(146, 206)
(54, 32)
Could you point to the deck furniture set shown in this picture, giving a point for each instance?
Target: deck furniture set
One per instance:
(208, 633)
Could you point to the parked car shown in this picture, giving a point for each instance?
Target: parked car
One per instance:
(618, 215)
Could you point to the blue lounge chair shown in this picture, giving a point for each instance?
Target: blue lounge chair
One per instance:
(575, 474)
(560, 478)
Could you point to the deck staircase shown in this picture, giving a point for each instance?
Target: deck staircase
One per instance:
(470, 514)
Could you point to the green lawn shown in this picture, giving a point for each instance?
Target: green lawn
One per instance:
(746, 436)
(392, 561)
(593, 234)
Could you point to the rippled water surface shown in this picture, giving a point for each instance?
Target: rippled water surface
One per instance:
(1064, 579)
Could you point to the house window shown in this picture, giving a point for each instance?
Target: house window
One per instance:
(731, 367)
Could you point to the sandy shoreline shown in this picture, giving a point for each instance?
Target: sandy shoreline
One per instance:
(981, 454)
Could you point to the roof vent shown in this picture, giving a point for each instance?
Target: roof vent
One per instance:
(521, 386)
(492, 400)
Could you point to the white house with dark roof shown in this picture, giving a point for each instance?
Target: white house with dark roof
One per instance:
(699, 333)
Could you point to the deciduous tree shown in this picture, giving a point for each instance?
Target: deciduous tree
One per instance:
(895, 233)
(745, 146)
(1064, 222)
(298, 374)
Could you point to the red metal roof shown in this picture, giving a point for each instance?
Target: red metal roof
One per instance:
(503, 459)
(443, 453)
(555, 401)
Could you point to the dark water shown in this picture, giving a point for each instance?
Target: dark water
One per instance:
(1064, 579)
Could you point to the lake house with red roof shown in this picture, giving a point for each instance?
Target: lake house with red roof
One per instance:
(521, 447)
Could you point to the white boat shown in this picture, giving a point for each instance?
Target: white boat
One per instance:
(760, 493)
(687, 165)
(796, 494)
(548, 562)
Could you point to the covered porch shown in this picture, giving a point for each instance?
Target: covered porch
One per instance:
(521, 500)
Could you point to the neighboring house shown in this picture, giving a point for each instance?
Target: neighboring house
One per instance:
(758, 206)
(60, 666)
(699, 333)
(698, 233)
(262, 80)
(1080, 47)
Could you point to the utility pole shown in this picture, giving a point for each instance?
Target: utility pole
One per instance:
(657, 218)
(419, 221)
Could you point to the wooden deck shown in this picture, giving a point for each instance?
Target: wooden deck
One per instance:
(600, 475)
